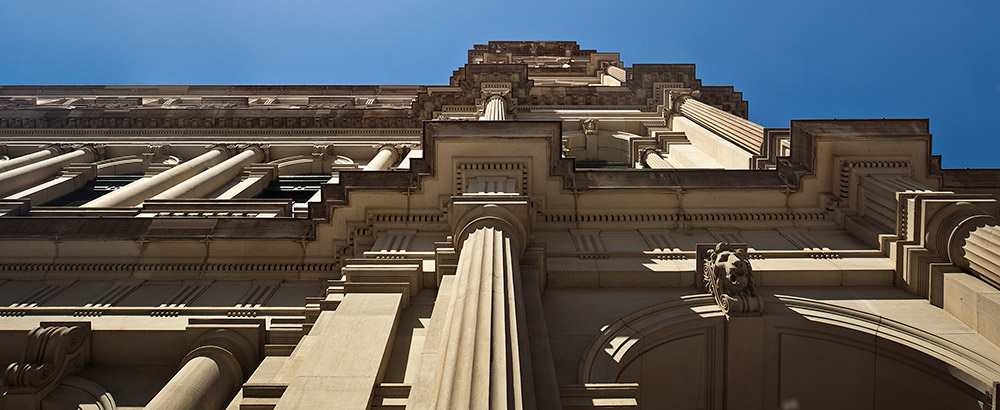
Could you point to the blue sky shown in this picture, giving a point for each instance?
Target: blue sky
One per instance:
(791, 59)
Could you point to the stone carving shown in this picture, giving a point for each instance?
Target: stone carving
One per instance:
(676, 97)
(51, 353)
(589, 125)
(729, 278)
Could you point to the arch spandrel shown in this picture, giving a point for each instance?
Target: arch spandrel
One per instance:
(846, 353)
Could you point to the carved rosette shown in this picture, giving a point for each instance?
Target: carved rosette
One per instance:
(727, 275)
(51, 353)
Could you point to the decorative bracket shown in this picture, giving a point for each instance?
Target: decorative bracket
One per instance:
(727, 275)
(52, 352)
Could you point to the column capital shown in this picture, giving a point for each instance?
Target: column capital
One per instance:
(264, 149)
(97, 151)
(952, 223)
(395, 148)
(229, 346)
(228, 149)
(937, 227)
(507, 216)
(647, 152)
(58, 148)
(677, 97)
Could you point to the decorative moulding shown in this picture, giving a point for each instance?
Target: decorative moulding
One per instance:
(52, 352)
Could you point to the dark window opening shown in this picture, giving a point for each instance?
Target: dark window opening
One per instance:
(298, 188)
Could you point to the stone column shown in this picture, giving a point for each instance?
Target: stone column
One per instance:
(29, 158)
(134, 193)
(21, 178)
(209, 180)
(737, 130)
(496, 109)
(651, 158)
(72, 178)
(486, 359)
(963, 229)
(980, 252)
(384, 159)
(209, 376)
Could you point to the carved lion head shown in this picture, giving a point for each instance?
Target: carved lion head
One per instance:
(732, 270)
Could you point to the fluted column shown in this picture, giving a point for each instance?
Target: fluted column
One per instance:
(21, 178)
(652, 159)
(29, 158)
(737, 130)
(981, 253)
(209, 376)
(486, 363)
(134, 193)
(496, 109)
(209, 180)
(384, 159)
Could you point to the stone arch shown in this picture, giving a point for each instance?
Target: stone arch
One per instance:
(125, 165)
(79, 393)
(305, 164)
(812, 351)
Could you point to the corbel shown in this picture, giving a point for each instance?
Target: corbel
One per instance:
(52, 351)
(728, 276)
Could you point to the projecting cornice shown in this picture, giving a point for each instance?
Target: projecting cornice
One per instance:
(563, 168)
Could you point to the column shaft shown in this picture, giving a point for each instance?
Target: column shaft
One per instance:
(134, 193)
(384, 159)
(486, 361)
(209, 180)
(206, 382)
(23, 177)
(71, 179)
(982, 253)
(27, 159)
(737, 130)
(496, 109)
(652, 159)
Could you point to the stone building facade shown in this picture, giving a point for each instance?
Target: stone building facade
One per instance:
(550, 229)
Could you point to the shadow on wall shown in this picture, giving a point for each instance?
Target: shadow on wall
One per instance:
(815, 356)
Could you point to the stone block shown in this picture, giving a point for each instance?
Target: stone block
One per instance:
(989, 317)
(961, 296)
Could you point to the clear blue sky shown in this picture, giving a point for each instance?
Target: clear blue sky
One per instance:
(792, 59)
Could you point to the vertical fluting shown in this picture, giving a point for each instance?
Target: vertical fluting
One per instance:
(136, 192)
(485, 364)
(496, 109)
(982, 253)
(23, 177)
(653, 159)
(737, 130)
